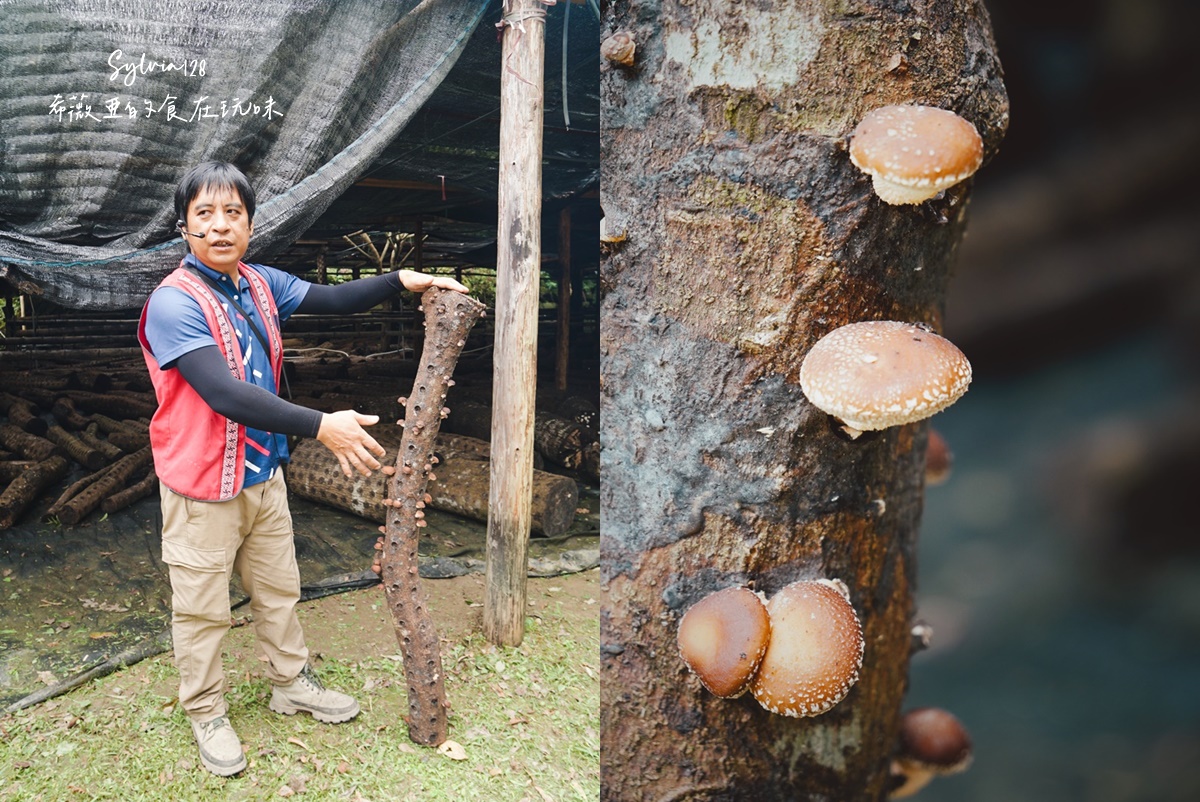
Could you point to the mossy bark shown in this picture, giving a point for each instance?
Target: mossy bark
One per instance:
(747, 235)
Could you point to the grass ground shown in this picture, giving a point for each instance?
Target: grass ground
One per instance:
(526, 717)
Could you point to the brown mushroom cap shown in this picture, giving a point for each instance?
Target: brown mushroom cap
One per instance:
(619, 48)
(815, 653)
(881, 373)
(934, 739)
(938, 459)
(914, 152)
(723, 638)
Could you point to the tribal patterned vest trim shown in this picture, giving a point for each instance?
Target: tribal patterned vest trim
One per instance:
(197, 452)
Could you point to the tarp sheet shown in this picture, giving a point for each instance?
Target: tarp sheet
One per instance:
(104, 104)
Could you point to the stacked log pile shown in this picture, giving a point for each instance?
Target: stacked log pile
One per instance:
(461, 486)
(53, 418)
(57, 417)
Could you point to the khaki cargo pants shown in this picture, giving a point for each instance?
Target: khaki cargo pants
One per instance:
(203, 543)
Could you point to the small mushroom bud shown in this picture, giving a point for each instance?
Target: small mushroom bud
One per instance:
(815, 652)
(619, 48)
(938, 459)
(420, 505)
(914, 152)
(723, 637)
(932, 742)
(428, 499)
(881, 373)
(433, 477)
(402, 400)
(421, 523)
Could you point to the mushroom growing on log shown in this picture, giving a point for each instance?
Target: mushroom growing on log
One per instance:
(449, 317)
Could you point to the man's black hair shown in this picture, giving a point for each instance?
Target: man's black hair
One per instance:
(219, 175)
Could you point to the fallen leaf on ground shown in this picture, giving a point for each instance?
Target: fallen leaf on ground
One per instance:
(47, 677)
(452, 750)
(285, 790)
(294, 740)
(406, 749)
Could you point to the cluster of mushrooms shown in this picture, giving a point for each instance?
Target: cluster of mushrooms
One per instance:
(800, 652)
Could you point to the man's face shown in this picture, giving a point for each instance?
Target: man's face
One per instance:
(219, 214)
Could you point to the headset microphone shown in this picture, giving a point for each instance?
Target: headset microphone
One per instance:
(181, 224)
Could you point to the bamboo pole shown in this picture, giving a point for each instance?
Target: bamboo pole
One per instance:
(563, 341)
(518, 265)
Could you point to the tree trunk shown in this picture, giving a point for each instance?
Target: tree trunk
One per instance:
(518, 270)
(739, 234)
(449, 316)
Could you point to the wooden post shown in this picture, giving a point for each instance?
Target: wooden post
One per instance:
(563, 341)
(518, 265)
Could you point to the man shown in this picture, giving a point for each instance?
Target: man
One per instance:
(211, 337)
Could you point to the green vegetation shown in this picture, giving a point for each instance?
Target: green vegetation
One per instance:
(526, 717)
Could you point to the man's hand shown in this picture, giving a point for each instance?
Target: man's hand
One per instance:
(419, 282)
(343, 434)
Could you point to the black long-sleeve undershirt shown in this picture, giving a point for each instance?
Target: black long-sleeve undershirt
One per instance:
(353, 296)
(206, 371)
(208, 374)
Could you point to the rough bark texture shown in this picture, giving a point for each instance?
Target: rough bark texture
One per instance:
(518, 271)
(76, 449)
(139, 489)
(114, 480)
(29, 446)
(449, 316)
(24, 490)
(747, 236)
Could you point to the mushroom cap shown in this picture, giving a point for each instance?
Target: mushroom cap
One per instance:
(938, 459)
(816, 649)
(723, 638)
(881, 373)
(933, 739)
(914, 152)
(619, 48)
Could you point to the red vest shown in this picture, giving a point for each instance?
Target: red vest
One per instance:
(198, 453)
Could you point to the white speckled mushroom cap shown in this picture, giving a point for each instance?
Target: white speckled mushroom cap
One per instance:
(914, 152)
(882, 373)
(815, 652)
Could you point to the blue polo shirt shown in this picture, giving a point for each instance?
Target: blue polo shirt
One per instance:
(175, 325)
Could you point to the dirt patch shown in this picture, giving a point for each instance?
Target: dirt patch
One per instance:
(354, 626)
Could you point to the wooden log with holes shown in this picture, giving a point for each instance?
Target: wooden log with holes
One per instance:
(76, 449)
(114, 480)
(120, 405)
(24, 490)
(22, 413)
(11, 469)
(461, 486)
(110, 450)
(558, 440)
(449, 317)
(138, 490)
(65, 412)
(29, 446)
(129, 442)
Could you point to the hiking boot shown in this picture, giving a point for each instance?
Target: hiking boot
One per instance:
(307, 693)
(220, 750)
